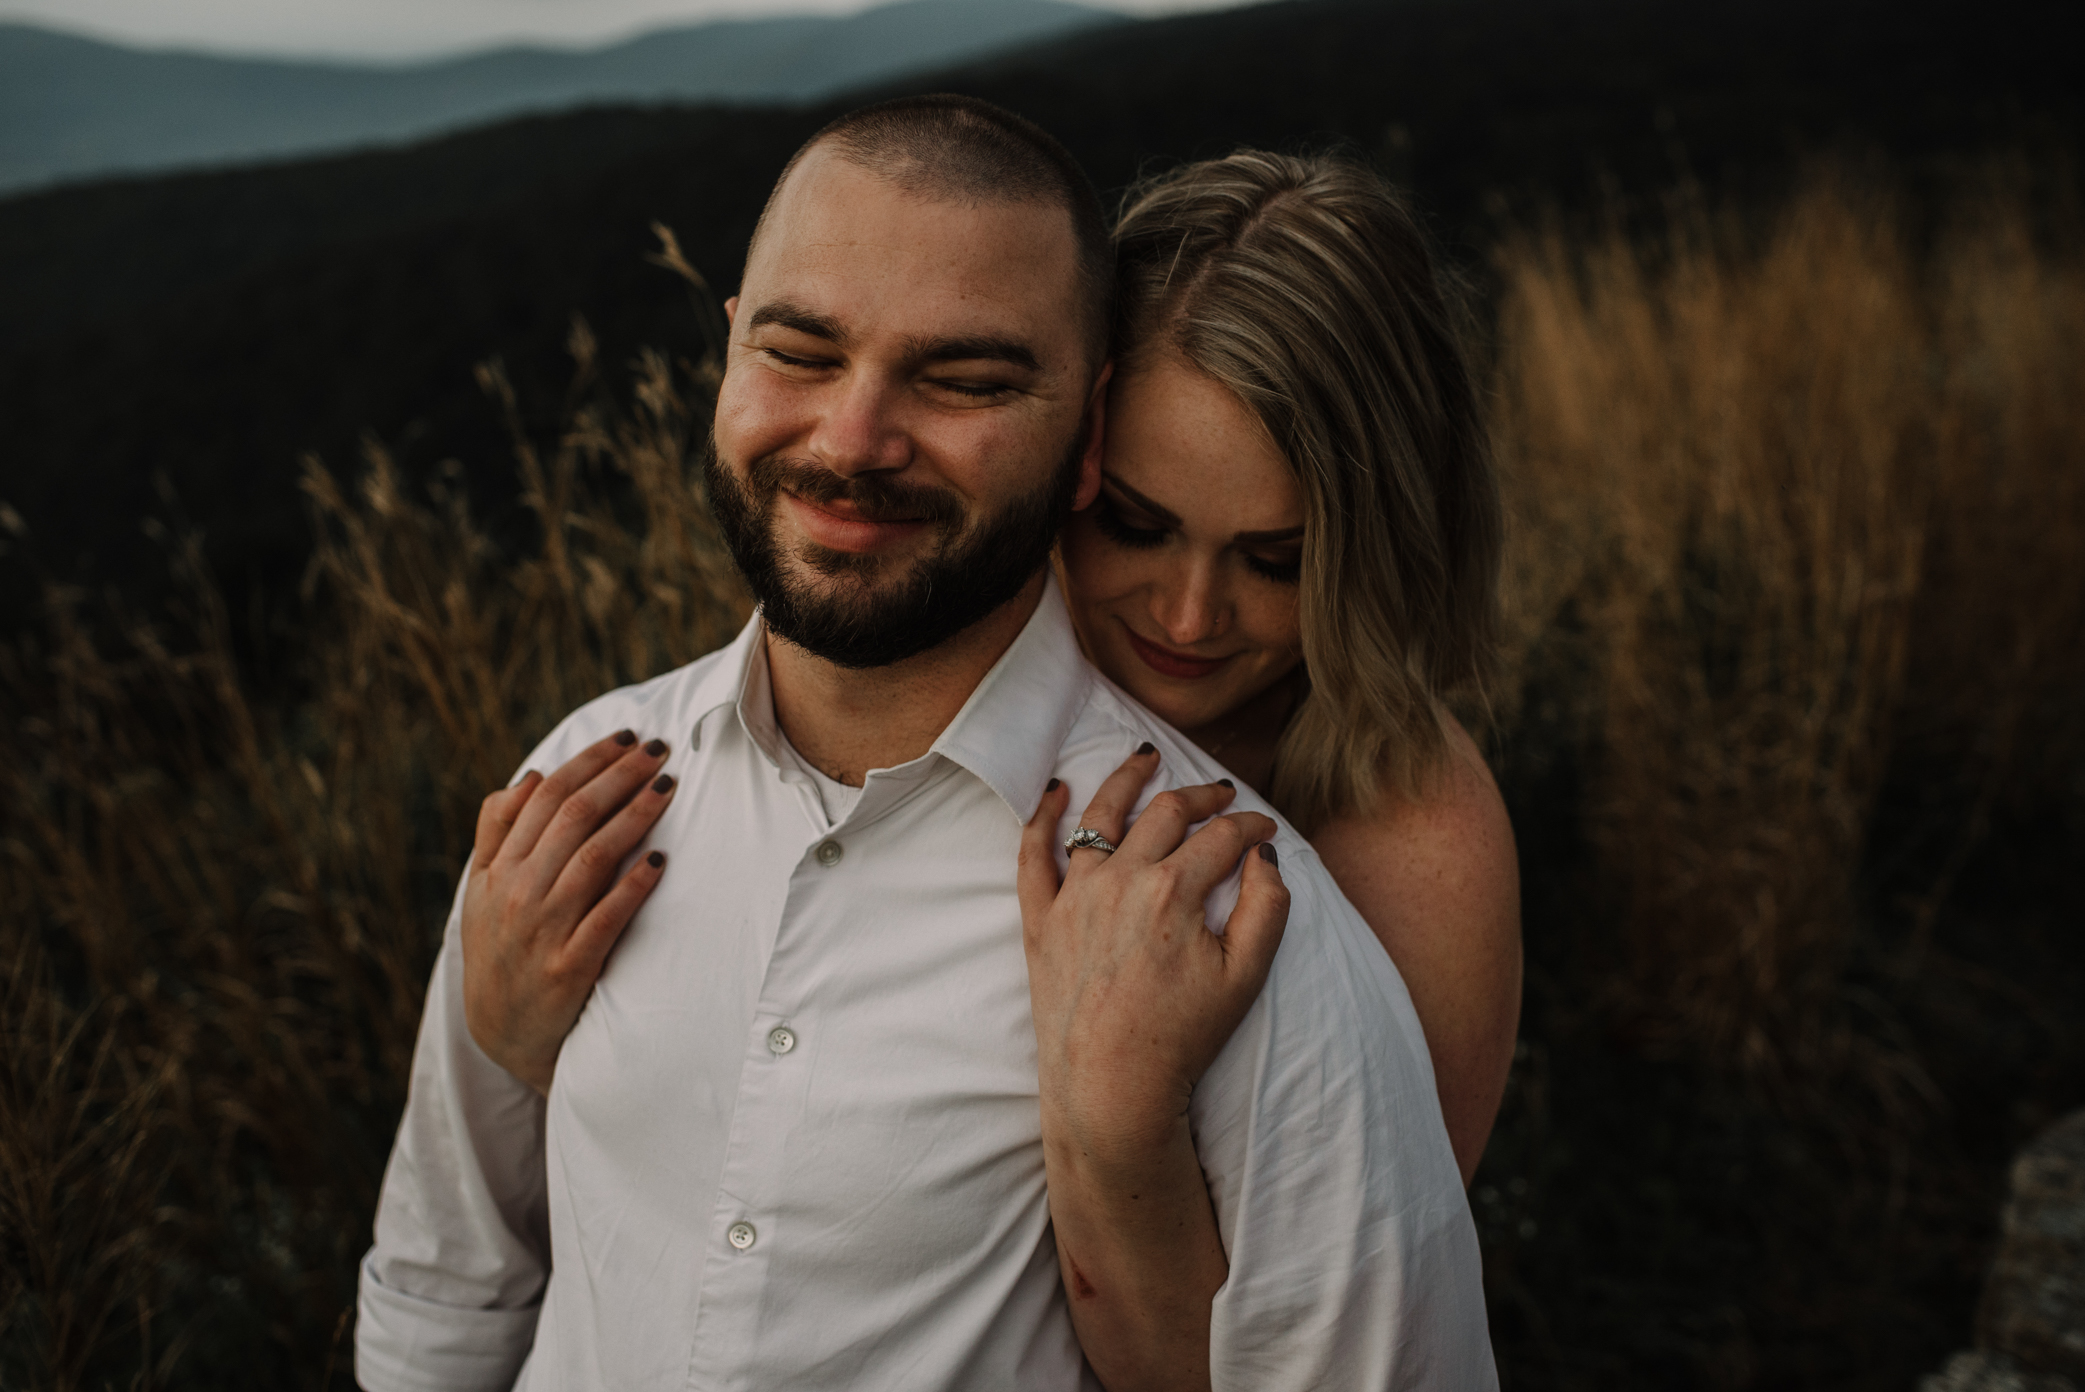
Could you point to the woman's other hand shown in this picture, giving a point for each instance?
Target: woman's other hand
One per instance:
(1133, 995)
(1133, 998)
(543, 907)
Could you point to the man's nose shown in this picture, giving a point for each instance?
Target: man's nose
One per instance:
(859, 429)
(1191, 606)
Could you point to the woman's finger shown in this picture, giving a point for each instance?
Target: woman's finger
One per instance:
(1108, 813)
(586, 875)
(1253, 932)
(588, 808)
(1037, 879)
(1209, 856)
(586, 951)
(549, 795)
(1166, 818)
(496, 818)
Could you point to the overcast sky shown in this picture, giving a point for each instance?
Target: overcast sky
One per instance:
(413, 28)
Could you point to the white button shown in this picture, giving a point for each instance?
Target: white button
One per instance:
(781, 1039)
(742, 1235)
(829, 853)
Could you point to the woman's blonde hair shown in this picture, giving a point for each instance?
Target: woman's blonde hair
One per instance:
(1305, 286)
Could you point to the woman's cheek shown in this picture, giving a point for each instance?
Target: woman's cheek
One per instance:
(1275, 625)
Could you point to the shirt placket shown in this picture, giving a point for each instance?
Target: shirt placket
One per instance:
(749, 1221)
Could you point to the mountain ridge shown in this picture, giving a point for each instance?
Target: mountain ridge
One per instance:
(215, 326)
(74, 108)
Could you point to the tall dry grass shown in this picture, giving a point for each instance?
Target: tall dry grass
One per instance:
(1795, 511)
(1794, 506)
(222, 905)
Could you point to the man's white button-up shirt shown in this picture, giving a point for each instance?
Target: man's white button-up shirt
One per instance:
(794, 1142)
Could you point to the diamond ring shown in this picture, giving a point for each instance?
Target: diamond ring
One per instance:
(1087, 839)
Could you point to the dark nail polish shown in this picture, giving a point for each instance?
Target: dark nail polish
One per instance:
(1227, 783)
(655, 859)
(655, 748)
(626, 738)
(1051, 786)
(1268, 854)
(1147, 747)
(662, 783)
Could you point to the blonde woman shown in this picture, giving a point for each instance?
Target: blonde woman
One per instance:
(1291, 560)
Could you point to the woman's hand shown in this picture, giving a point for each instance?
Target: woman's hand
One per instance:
(540, 913)
(1133, 995)
(1133, 998)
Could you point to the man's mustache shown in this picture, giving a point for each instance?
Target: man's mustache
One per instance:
(874, 497)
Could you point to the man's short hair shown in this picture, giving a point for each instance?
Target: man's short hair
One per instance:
(960, 149)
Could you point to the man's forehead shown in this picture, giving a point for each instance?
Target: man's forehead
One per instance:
(843, 239)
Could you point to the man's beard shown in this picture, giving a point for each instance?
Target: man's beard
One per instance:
(857, 622)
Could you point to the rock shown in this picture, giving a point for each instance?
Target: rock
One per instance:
(2034, 1299)
(1991, 1372)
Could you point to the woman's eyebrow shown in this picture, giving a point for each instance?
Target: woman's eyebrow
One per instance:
(1294, 533)
(1161, 514)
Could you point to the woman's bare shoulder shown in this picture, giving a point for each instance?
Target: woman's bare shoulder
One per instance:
(1451, 849)
(1438, 881)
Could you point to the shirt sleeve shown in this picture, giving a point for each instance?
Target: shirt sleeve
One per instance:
(449, 1293)
(1353, 1257)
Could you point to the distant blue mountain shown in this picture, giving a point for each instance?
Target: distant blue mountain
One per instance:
(73, 107)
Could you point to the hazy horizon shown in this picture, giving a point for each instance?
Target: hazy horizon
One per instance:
(407, 31)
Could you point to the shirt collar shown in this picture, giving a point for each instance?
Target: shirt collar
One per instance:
(1010, 731)
(725, 683)
(1007, 735)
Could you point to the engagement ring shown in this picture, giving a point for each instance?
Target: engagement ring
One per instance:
(1087, 839)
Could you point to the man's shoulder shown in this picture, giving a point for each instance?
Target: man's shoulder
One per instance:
(1112, 723)
(666, 707)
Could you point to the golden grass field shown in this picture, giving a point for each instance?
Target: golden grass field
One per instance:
(1798, 509)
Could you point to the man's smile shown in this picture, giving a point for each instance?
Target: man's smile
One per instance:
(840, 525)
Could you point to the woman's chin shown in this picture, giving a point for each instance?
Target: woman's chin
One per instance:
(1181, 704)
(1167, 704)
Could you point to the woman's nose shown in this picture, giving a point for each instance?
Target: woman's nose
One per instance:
(859, 429)
(1192, 608)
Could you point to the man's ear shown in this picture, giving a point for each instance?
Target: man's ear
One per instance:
(1096, 427)
(731, 310)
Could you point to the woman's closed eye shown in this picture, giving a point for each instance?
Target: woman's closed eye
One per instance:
(1116, 527)
(1283, 570)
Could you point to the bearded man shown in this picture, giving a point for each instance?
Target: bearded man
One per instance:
(794, 1136)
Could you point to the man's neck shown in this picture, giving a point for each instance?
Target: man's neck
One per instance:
(845, 721)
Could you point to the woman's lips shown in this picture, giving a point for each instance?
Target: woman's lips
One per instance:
(1168, 663)
(837, 527)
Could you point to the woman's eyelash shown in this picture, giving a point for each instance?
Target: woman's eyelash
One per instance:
(1281, 572)
(1111, 523)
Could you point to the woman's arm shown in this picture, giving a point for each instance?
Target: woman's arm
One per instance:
(1439, 883)
(1133, 999)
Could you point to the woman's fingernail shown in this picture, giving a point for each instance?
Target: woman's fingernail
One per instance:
(655, 748)
(663, 782)
(626, 738)
(1227, 783)
(1147, 747)
(655, 859)
(1267, 853)
(1051, 786)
